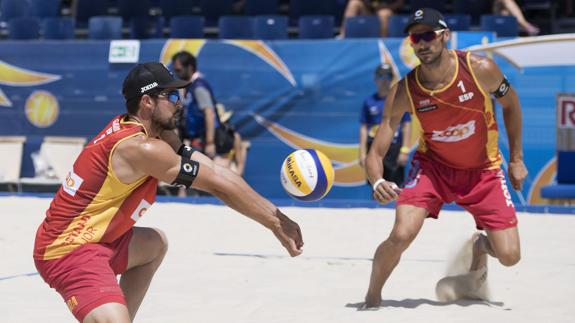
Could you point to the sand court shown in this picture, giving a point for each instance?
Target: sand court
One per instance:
(223, 267)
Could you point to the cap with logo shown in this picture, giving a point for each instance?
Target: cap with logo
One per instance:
(144, 78)
(426, 16)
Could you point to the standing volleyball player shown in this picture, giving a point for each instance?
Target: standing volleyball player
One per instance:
(88, 236)
(458, 159)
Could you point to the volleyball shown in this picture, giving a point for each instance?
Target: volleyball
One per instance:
(307, 175)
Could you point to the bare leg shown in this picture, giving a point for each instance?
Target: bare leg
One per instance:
(384, 15)
(145, 254)
(408, 222)
(514, 9)
(109, 312)
(353, 8)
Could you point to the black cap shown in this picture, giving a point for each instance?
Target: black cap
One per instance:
(144, 78)
(426, 16)
(383, 69)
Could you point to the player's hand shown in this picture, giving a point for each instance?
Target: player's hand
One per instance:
(517, 174)
(289, 234)
(210, 150)
(386, 192)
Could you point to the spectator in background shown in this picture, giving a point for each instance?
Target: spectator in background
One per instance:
(201, 123)
(510, 7)
(371, 115)
(382, 8)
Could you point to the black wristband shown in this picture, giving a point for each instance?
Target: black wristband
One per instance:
(502, 89)
(188, 172)
(186, 151)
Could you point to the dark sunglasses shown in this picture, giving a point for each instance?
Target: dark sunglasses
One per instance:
(426, 36)
(172, 96)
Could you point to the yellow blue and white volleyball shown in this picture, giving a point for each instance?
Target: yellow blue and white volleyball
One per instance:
(307, 175)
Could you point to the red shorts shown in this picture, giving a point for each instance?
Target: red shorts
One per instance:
(483, 193)
(86, 277)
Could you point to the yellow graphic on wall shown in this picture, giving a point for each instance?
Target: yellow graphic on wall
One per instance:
(11, 75)
(407, 54)
(42, 109)
(256, 47)
(344, 157)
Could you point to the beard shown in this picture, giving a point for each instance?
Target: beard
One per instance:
(167, 124)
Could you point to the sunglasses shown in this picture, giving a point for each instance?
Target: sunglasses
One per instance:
(172, 96)
(426, 36)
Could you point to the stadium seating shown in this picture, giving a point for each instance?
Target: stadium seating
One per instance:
(10, 167)
(105, 27)
(187, 27)
(139, 28)
(133, 8)
(58, 28)
(270, 27)
(435, 4)
(236, 27)
(504, 26)
(172, 8)
(261, 7)
(15, 8)
(85, 9)
(396, 25)
(474, 8)
(46, 8)
(212, 10)
(458, 22)
(362, 27)
(24, 28)
(314, 27)
(298, 8)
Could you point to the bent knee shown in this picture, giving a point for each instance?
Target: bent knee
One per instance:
(509, 257)
(160, 241)
(401, 239)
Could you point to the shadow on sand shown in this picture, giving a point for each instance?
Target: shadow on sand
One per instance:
(413, 303)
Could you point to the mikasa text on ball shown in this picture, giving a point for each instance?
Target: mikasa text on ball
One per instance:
(307, 175)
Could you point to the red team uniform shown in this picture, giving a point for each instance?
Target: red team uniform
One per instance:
(83, 242)
(458, 158)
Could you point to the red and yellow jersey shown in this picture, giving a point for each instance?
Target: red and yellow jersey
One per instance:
(93, 205)
(456, 123)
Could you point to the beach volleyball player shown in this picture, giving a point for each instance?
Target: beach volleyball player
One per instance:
(458, 159)
(88, 236)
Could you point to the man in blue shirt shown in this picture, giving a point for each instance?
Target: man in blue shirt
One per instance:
(371, 113)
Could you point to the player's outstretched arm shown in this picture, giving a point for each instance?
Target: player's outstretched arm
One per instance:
(396, 105)
(494, 82)
(156, 158)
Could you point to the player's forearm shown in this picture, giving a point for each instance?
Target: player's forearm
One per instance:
(380, 146)
(238, 195)
(513, 125)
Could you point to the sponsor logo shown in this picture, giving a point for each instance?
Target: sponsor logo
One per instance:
(503, 88)
(149, 87)
(81, 230)
(140, 210)
(292, 173)
(505, 190)
(72, 183)
(418, 14)
(466, 96)
(455, 133)
(72, 302)
(424, 102)
(190, 169)
(427, 108)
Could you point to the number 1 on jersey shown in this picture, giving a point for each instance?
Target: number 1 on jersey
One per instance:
(461, 86)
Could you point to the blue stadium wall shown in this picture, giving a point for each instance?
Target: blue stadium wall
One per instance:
(284, 94)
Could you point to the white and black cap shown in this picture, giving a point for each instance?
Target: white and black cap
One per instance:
(147, 77)
(426, 16)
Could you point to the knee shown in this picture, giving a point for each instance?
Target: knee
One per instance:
(160, 242)
(509, 257)
(400, 239)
